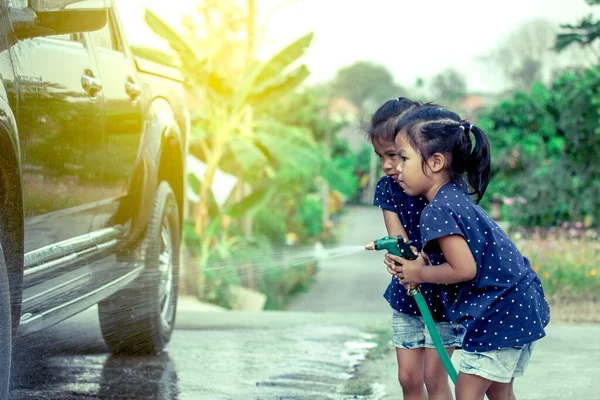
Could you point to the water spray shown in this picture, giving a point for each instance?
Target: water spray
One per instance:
(402, 248)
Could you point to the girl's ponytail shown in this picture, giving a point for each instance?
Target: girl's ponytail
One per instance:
(479, 169)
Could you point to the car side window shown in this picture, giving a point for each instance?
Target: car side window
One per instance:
(67, 37)
(107, 38)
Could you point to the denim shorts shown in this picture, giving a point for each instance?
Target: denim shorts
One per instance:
(497, 365)
(410, 332)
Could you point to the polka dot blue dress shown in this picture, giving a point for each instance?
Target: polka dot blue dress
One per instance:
(390, 196)
(504, 305)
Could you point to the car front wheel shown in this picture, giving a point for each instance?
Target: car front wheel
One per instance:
(140, 319)
(5, 328)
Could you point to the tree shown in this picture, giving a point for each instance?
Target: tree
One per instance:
(585, 33)
(525, 55)
(365, 82)
(448, 86)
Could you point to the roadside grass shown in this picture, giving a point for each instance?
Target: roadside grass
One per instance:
(357, 387)
(383, 345)
(382, 340)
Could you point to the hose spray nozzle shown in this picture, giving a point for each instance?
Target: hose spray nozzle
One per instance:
(399, 247)
(395, 245)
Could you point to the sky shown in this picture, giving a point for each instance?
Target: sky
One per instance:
(411, 38)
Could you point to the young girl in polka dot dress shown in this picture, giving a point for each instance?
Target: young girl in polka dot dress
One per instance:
(419, 365)
(501, 301)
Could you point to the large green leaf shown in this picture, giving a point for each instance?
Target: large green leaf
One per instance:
(213, 207)
(156, 55)
(286, 144)
(282, 60)
(214, 227)
(260, 73)
(221, 86)
(176, 41)
(342, 181)
(245, 152)
(267, 95)
(251, 203)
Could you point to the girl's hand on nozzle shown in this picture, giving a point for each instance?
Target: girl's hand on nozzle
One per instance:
(414, 250)
(408, 272)
(390, 267)
(391, 264)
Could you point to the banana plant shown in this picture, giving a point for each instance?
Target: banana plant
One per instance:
(221, 127)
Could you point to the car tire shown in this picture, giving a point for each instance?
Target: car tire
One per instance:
(139, 319)
(5, 329)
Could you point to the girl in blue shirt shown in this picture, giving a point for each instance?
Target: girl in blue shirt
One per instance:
(501, 302)
(418, 362)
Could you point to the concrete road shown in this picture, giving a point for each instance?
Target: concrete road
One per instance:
(355, 283)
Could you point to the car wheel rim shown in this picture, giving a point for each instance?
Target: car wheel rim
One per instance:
(165, 265)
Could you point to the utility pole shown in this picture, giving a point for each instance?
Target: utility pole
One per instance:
(325, 190)
(248, 118)
(246, 225)
(251, 31)
(372, 176)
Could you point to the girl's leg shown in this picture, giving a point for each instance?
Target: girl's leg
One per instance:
(436, 376)
(471, 387)
(499, 391)
(500, 365)
(411, 363)
(511, 390)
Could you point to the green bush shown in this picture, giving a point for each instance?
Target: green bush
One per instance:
(309, 217)
(271, 222)
(252, 262)
(544, 145)
(281, 283)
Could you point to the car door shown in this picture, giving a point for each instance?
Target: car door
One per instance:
(121, 98)
(60, 123)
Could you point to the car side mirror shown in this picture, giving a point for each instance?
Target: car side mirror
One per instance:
(56, 17)
(69, 5)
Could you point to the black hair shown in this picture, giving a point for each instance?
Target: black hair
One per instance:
(383, 121)
(434, 129)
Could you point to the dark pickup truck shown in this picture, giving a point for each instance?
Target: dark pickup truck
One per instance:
(92, 163)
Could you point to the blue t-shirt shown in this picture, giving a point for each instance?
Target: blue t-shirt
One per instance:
(390, 196)
(504, 305)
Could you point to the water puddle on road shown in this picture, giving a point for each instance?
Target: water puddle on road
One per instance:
(332, 356)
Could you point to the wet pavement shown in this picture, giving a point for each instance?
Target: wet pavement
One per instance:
(228, 355)
(308, 352)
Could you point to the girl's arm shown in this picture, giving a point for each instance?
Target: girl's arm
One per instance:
(393, 224)
(460, 266)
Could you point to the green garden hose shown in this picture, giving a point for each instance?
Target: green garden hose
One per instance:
(400, 248)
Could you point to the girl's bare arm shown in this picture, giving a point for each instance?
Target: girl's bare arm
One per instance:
(393, 224)
(460, 266)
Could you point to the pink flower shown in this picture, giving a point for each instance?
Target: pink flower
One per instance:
(522, 199)
(572, 232)
(508, 201)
